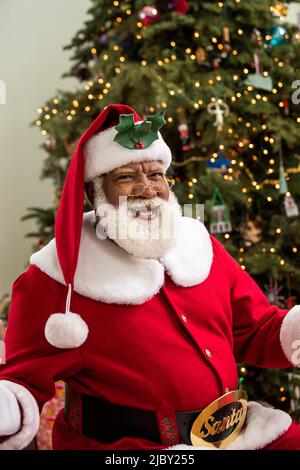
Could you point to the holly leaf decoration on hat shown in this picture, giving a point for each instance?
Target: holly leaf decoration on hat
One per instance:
(138, 136)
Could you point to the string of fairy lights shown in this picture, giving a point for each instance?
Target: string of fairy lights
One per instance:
(99, 89)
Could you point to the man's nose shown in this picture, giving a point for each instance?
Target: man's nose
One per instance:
(148, 192)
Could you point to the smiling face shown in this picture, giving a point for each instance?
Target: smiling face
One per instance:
(135, 208)
(144, 180)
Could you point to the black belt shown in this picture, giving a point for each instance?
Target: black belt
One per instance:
(107, 422)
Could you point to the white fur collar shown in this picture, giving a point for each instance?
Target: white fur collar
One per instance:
(106, 272)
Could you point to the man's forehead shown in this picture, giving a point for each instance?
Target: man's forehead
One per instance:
(139, 166)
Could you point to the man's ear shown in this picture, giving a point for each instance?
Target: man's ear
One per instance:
(90, 192)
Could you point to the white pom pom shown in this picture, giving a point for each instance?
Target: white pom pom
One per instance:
(66, 331)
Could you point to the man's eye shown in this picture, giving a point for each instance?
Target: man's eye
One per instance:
(125, 178)
(157, 173)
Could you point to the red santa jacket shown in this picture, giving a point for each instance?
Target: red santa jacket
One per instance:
(163, 335)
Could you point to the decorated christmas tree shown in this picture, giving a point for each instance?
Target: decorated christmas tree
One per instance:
(225, 73)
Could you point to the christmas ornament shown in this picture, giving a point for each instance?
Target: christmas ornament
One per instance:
(103, 39)
(272, 292)
(290, 206)
(279, 36)
(257, 37)
(83, 74)
(290, 302)
(220, 164)
(296, 37)
(184, 136)
(220, 216)
(215, 64)
(219, 109)
(283, 187)
(226, 39)
(286, 107)
(50, 143)
(180, 6)
(257, 80)
(200, 55)
(242, 145)
(279, 9)
(226, 34)
(148, 15)
(251, 231)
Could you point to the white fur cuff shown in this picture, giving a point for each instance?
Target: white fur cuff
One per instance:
(290, 335)
(31, 418)
(263, 426)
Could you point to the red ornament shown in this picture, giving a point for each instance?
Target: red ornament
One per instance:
(181, 6)
(286, 107)
(148, 14)
(242, 145)
(216, 63)
(290, 302)
(184, 136)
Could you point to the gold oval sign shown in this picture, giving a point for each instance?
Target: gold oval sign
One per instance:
(221, 421)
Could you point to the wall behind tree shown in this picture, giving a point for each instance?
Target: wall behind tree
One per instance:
(32, 34)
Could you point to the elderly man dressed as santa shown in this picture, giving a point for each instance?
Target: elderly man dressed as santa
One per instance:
(156, 315)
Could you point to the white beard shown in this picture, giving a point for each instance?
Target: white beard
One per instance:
(140, 236)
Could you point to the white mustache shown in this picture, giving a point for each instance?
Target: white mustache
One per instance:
(144, 203)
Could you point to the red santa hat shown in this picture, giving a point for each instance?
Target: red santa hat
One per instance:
(118, 136)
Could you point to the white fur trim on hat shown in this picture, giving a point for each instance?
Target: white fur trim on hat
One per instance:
(31, 418)
(103, 154)
(290, 335)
